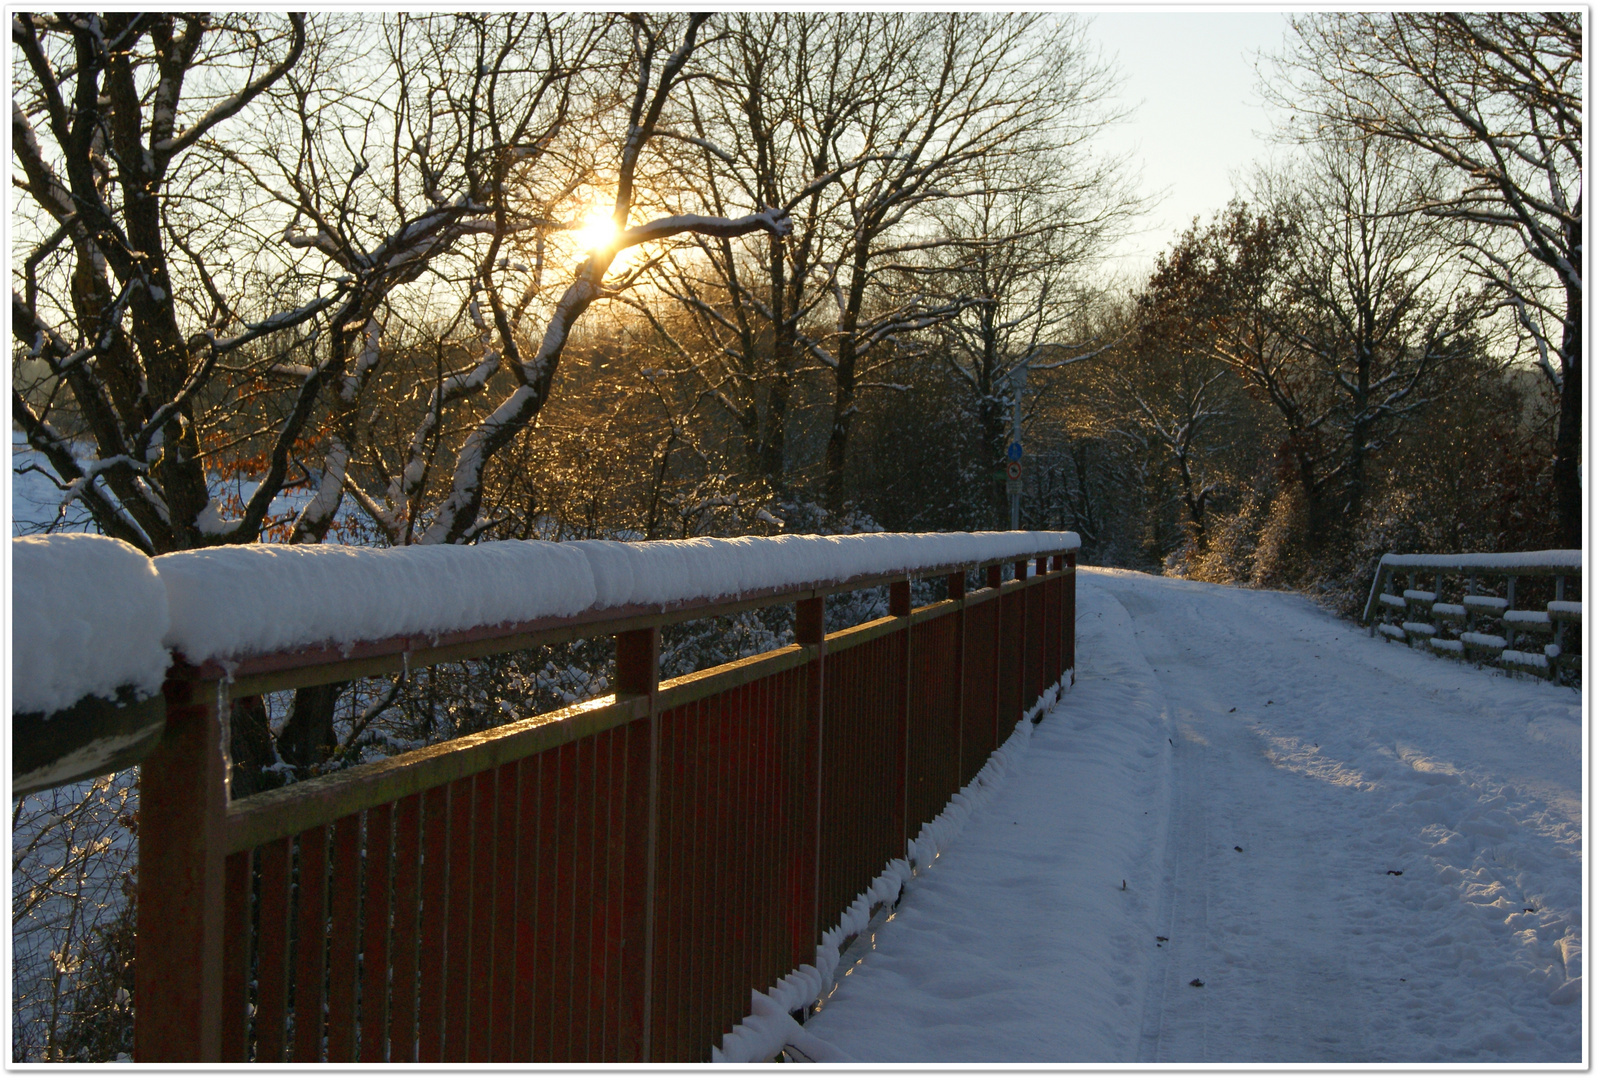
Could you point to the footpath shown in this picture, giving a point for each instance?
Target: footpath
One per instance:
(1249, 833)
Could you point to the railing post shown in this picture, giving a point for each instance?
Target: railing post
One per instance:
(899, 607)
(638, 671)
(1038, 649)
(178, 941)
(995, 580)
(1069, 616)
(810, 629)
(956, 590)
(1560, 627)
(1020, 644)
(1510, 605)
(1054, 667)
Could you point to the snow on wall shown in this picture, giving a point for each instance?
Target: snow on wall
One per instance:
(88, 614)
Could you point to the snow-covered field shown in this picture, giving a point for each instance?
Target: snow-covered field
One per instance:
(1250, 833)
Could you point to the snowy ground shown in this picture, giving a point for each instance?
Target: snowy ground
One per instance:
(1363, 853)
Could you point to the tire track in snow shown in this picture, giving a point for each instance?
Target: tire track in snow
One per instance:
(1222, 931)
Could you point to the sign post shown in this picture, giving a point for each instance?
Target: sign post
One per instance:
(1013, 453)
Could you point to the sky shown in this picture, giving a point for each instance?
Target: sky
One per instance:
(1196, 118)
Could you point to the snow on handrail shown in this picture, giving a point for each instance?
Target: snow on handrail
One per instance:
(93, 615)
(1554, 560)
(257, 599)
(87, 617)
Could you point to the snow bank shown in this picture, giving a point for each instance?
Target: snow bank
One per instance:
(1018, 944)
(263, 598)
(88, 614)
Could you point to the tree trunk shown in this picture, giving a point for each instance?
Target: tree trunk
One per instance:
(307, 737)
(995, 424)
(838, 436)
(1568, 436)
(250, 746)
(774, 436)
(844, 379)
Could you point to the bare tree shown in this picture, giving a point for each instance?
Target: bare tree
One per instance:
(358, 193)
(1015, 268)
(1169, 389)
(1376, 308)
(874, 131)
(1339, 309)
(775, 126)
(107, 116)
(1497, 98)
(976, 88)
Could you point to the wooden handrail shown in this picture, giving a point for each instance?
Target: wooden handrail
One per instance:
(1428, 619)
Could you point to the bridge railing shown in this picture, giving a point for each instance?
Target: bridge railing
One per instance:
(1518, 610)
(606, 882)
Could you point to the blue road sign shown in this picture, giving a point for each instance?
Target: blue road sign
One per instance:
(1013, 452)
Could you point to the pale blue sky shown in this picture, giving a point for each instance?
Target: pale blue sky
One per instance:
(1189, 77)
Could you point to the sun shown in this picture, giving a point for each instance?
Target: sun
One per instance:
(597, 231)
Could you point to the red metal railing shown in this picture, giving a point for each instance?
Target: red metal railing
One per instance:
(604, 883)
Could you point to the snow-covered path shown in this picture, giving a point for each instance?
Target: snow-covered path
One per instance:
(1362, 852)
